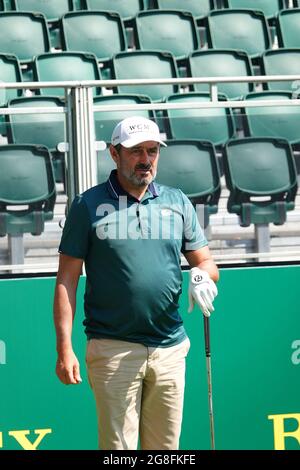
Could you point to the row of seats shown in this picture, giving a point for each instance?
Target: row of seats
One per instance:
(26, 35)
(55, 9)
(67, 66)
(218, 125)
(260, 175)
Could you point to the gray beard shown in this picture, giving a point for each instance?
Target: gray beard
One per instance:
(138, 182)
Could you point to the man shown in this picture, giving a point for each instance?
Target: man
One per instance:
(130, 233)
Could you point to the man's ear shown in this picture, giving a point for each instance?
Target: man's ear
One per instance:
(114, 154)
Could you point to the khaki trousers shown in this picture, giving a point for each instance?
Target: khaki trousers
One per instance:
(139, 393)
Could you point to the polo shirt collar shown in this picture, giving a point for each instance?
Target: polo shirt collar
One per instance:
(116, 190)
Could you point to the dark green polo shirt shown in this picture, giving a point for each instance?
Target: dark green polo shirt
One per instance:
(132, 254)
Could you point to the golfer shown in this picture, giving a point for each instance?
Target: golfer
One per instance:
(130, 233)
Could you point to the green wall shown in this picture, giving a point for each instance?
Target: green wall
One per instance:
(255, 342)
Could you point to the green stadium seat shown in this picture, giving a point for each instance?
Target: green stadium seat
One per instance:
(247, 29)
(40, 129)
(24, 35)
(198, 8)
(262, 179)
(93, 32)
(281, 62)
(105, 165)
(26, 179)
(126, 9)
(52, 9)
(65, 66)
(145, 64)
(270, 8)
(213, 124)
(273, 121)
(105, 121)
(288, 28)
(10, 71)
(191, 166)
(222, 63)
(167, 30)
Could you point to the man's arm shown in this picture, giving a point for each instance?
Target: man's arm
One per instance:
(67, 366)
(202, 259)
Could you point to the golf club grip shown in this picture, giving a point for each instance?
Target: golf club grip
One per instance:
(206, 336)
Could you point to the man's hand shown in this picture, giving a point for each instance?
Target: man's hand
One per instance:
(67, 369)
(202, 290)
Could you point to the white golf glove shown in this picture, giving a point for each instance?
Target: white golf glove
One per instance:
(202, 291)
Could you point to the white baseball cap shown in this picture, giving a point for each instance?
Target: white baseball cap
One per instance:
(134, 130)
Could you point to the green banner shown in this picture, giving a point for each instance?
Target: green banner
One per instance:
(255, 347)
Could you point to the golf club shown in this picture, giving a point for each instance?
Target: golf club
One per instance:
(209, 381)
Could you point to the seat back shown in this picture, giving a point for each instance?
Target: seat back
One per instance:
(262, 179)
(105, 121)
(167, 30)
(105, 165)
(126, 9)
(281, 62)
(198, 8)
(288, 28)
(146, 64)
(26, 179)
(65, 66)
(42, 128)
(213, 124)
(52, 10)
(222, 63)
(93, 32)
(191, 166)
(245, 29)
(273, 121)
(10, 71)
(270, 8)
(24, 34)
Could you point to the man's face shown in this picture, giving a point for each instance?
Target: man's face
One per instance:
(138, 164)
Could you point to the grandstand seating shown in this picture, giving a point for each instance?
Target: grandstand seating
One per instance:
(53, 10)
(101, 33)
(214, 124)
(24, 35)
(288, 22)
(105, 121)
(126, 9)
(191, 166)
(281, 62)
(221, 63)
(245, 29)
(145, 64)
(273, 121)
(10, 71)
(65, 66)
(262, 179)
(26, 179)
(270, 8)
(198, 8)
(167, 30)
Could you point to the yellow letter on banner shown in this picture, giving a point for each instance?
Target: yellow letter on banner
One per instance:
(280, 434)
(21, 438)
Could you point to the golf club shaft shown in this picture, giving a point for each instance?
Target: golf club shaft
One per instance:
(209, 380)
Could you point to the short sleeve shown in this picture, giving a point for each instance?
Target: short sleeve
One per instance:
(75, 237)
(193, 236)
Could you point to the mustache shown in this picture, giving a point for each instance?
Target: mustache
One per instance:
(143, 167)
